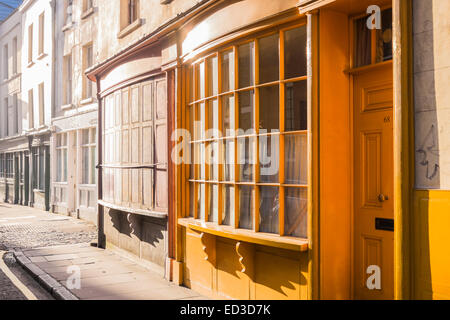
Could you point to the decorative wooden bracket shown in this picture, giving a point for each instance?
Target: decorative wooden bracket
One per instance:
(133, 221)
(209, 247)
(245, 253)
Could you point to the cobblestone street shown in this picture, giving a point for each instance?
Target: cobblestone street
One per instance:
(26, 228)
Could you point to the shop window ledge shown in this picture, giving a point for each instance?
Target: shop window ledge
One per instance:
(265, 239)
(141, 212)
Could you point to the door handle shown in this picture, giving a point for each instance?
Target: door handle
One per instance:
(382, 198)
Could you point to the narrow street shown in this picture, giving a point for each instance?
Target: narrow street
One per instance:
(26, 228)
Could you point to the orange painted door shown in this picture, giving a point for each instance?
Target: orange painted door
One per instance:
(373, 184)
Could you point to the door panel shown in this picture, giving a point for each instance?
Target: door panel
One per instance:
(373, 185)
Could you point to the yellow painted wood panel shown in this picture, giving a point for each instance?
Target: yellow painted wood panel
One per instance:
(431, 250)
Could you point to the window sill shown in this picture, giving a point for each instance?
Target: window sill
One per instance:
(67, 106)
(141, 212)
(30, 64)
(38, 191)
(41, 56)
(87, 13)
(66, 27)
(130, 28)
(87, 101)
(265, 239)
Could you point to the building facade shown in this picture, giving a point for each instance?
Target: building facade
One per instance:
(74, 119)
(252, 149)
(324, 92)
(13, 140)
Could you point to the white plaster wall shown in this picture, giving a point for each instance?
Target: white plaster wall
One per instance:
(9, 29)
(41, 69)
(431, 34)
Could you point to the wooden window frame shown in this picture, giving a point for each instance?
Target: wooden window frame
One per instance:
(6, 62)
(15, 56)
(191, 107)
(41, 104)
(30, 109)
(68, 80)
(88, 85)
(60, 148)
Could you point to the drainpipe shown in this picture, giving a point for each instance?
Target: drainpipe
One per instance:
(100, 210)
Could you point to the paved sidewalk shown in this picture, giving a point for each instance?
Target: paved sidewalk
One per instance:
(104, 275)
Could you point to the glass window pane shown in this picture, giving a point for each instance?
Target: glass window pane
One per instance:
(269, 68)
(202, 161)
(246, 67)
(228, 205)
(269, 108)
(201, 79)
(85, 171)
(295, 53)
(269, 155)
(246, 154)
(65, 165)
(191, 84)
(227, 115)
(213, 160)
(246, 110)
(201, 202)
(296, 106)
(295, 216)
(58, 165)
(85, 136)
(213, 209)
(213, 76)
(93, 165)
(268, 209)
(228, 160)
(246, 200)
(227, 71)
(191, 199)
(363, 43)
(296, 167)
(384, 37)
(213, 119)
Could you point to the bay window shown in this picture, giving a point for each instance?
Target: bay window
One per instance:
(247, 115)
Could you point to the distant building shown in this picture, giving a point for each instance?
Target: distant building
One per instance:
(74, 119)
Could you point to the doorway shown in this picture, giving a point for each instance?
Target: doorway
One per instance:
(373, 222)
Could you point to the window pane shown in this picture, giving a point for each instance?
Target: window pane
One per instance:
(65, 165)
(213, 119)
(269, 108)
(93, 165)
(246, 200)
(228, 205)
(202, 161)
(58, 165)
(246, 110)
(246, 65)
(269, 153)
(213, 161)
(384, 37)
(201, 79)
(246, 158)
(201, 202)
(85, 136)
(295, 217)
(228, 71)
(295, 53)
(296, 169)
(296, 106)
(191, 199)
(191, 84)
(269, 69)
(227, 115)
(363, 43)
(228, 160)
(85, 170)
(268, 210)
(213, 209)
(213, 76)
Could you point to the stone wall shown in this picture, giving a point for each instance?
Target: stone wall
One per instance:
(431, 34)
